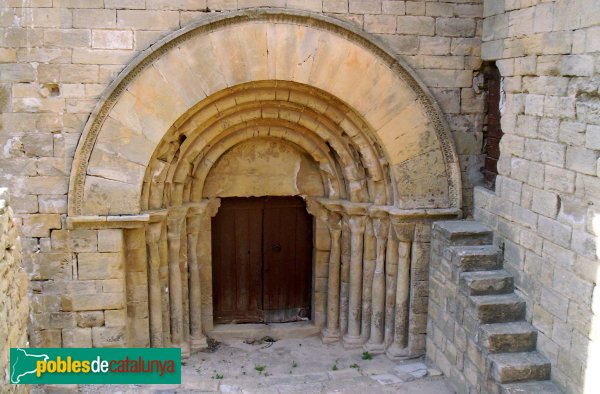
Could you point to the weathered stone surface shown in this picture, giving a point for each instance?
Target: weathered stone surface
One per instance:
(100, 266)
(508, 337)
(514, 367)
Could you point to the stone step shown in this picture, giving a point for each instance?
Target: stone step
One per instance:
(508, 337)
(486, 282)
(501, 308)
(543, 387)
(518, 367)
(464, 232)
(474, 258)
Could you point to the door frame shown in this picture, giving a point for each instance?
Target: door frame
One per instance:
(320, 260)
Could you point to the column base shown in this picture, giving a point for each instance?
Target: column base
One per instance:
(352, 342)
(328, 336)
(198, 344)
(185, 350)
(395, 352)
(374, 348)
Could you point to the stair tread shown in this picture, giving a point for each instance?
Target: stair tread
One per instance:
(461, 228)
(508, 337)
(474, 258)
(520, 327)
(481, 250)
(486, 282)
(518, 359)
(473, 275)
(515, 367)
(496, 299)
(537, 387)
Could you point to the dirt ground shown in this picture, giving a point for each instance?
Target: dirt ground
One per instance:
(289, 366)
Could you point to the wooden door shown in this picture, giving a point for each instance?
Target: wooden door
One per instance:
(262, 260)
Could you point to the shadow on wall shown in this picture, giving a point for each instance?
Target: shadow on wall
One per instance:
(592, 371)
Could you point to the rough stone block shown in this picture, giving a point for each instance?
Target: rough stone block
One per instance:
(581, 160)
(39, 225)
(77, 337)
(93, 302)
(110, 240)
(112, 39)
(148, 20)
(390, 7)
(100, 266)
(95, 18)
(90, 319)
(380, 23)
(365, 6)
(418, 25)
(109, 336)
(455, 27)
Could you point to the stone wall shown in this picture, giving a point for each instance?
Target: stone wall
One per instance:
(545, 207)
(60, 55)
(14, 306)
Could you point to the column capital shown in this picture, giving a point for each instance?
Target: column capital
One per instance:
(175, 219)
(381, 225)
(153, 232)
(357, 224)
(193, 224)
(404, 230)
(315, 208)
(207, 207)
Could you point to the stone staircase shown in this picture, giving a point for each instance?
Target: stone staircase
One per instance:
(493, 315)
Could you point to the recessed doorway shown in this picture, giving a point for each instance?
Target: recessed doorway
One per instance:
(262, 260)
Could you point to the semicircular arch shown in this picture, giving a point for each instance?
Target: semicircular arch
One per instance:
(401, 129)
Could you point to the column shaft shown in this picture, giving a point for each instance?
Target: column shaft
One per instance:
(174, 224)
(153, 232)
(197, 336)
(357, 230)
(375, 343)
(332, 331)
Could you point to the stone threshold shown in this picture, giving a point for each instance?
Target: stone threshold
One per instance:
(302, 329)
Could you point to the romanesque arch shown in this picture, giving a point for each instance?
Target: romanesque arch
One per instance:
(366, 146)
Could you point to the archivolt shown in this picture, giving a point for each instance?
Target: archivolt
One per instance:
(326, 129)
(375, 131)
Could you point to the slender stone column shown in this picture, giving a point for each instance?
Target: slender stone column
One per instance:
(163, 248)
(344, 274)
(398, 348)
(376, 344)
(174, 224)
(357, 230)
(391, 272)
(153, 231)
(332, 332)
(369, 261)
(198, 338)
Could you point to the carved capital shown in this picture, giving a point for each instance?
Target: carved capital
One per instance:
(316, 209)
(334, 221)
(357, 224)
(153, 232)
(175, 219)
(193, 224)
(404, 230)
(212, 206)
(381, 227)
